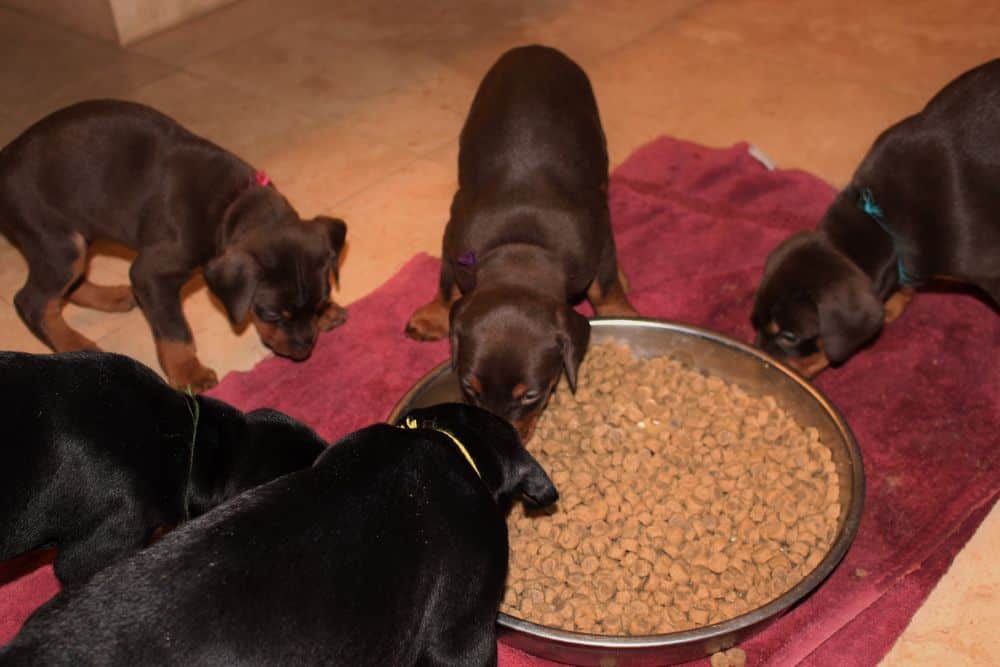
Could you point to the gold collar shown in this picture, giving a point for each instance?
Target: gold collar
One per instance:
(411, 424)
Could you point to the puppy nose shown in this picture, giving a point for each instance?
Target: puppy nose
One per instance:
(300, 349)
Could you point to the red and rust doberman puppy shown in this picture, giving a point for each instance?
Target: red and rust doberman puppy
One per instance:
(107, 169)
(529, 235)
(924, 204)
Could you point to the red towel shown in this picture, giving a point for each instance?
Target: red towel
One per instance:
(694, 226)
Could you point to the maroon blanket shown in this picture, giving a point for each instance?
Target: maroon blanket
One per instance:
(694, 226)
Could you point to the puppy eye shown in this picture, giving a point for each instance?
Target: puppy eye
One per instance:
(530, 397)
(267, 314)
(788, 336)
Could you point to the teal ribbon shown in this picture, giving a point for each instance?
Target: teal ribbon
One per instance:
(874, 211)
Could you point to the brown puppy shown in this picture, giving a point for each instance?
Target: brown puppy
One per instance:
(924, 204)
(529, 235)
(107, 169)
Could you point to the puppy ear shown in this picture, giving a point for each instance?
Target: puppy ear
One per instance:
(233, 278)
(849, 315)
(573, 334)
(533, 482)
(335, 232)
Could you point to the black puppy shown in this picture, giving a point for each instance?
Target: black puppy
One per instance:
(923, 204)
(390, 550)
(98, 452)
(529, 235)
(115, 170)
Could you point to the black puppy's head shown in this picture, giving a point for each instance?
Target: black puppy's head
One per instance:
(509, 352)
(236, 451)
(506, 466)
(814, 306)
(281, 276)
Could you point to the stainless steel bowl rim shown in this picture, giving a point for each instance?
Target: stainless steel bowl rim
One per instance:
(771, 609)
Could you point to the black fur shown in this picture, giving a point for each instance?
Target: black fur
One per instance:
(96, 450)
(388, 551)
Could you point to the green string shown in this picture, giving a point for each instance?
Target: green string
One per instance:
(195, 413)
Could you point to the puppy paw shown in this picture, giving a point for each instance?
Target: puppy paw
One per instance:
(426, 324)
(332, 316)
(107, 298)
(195, 377)
(120, 299)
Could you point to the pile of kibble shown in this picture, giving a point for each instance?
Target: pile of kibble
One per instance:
(684, 501)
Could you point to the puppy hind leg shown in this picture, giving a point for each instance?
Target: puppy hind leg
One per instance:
(107, 298)
(52, 272)
(607, 292)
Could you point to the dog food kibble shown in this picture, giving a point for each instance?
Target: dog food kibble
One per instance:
(684, 501)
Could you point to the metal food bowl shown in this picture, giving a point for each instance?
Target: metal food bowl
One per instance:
(757, 373)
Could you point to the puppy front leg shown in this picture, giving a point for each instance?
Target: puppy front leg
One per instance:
(157, 289)
(430, 321)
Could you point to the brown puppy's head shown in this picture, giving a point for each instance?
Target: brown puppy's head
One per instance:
(508, 351)
(281, 275)
(814, 306)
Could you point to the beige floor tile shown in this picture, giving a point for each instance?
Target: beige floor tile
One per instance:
(235, 119)
(419, 117)
(800, 120)
(957, 625)
(411, 208)
(237, 23)
(914, 47)
(47, 67)
(301, 65)
(318, 166)
(588, 31)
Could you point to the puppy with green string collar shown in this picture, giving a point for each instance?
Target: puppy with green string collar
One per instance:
(391, 549)
(99, 453)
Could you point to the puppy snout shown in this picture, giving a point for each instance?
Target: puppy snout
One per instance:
(300, 348)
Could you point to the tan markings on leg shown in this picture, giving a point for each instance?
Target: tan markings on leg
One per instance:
(623, 280)
(109, 298)
(614, 303)
(897, 303)
(61, 336)
(182, 367)
(430, 321)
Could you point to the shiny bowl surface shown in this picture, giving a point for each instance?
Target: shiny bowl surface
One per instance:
(756, 372)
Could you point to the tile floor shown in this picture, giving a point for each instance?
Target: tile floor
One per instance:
(354, 109)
